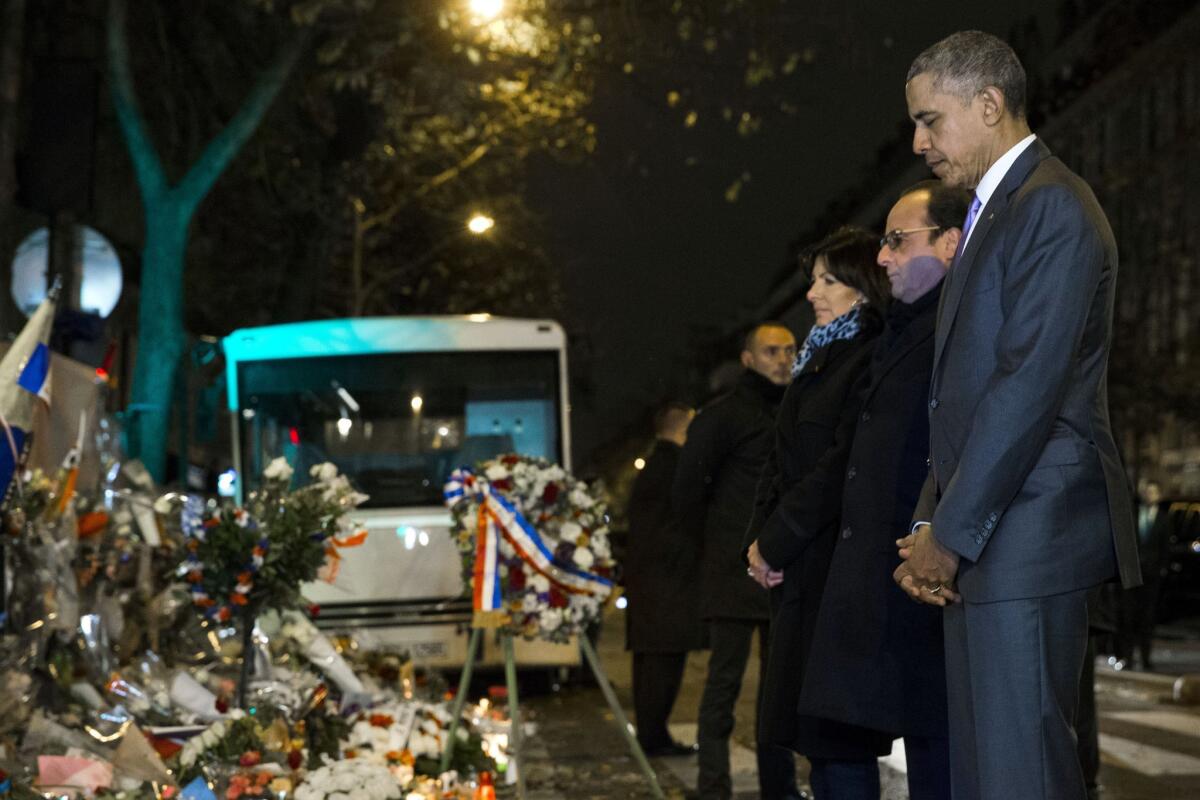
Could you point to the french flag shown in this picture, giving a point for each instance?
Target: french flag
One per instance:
(24, 380)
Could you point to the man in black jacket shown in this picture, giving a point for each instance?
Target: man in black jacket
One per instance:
(718, 471)
(662, 623)
(877, 656)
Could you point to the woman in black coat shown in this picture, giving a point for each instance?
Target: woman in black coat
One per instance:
(798, 502)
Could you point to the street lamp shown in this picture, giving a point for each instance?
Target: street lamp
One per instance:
(480, 224)
(486, 10)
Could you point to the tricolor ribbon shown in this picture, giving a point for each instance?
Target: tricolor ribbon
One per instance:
(497, 518)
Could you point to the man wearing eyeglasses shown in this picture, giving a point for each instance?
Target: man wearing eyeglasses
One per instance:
(877, 658)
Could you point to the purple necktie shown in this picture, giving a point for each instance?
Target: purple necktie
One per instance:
(972, 212)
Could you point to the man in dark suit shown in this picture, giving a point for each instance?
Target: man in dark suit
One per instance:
(1026, 506)
(877, 658)
(718, 471)
(662, 623)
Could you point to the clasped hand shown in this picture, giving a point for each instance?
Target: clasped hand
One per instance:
(760, 570)
(928, 570)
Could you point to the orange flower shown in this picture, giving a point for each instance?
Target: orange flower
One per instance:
(206, 602)
(382, 721)
(238, 599)
(195, 576)
(351, 753)
(193, 545)
(224, 614)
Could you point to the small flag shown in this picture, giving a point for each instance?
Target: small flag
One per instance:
(24, 376)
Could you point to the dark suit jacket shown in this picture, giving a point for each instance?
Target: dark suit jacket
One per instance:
(661, 564)
(877, 657)
(727, 445)
(797, 508)
(1027, 484)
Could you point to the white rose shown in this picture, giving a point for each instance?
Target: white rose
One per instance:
(278, 470)
(540, 583)
(580, 498)
(570, 531)
(496, 472)
(529, 603)
(584, 557)
(551, 619)
(324, 472)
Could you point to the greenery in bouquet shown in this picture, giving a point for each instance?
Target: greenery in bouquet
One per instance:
(256, 556)
(571, 519)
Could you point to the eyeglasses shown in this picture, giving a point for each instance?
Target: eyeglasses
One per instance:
(894, 239)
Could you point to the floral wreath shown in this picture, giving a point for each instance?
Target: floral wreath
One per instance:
(534, 546)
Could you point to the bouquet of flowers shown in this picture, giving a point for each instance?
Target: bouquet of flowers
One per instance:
(534, 545)
(257, 556)
(344, 780)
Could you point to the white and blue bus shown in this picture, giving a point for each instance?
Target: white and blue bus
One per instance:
(397, 403)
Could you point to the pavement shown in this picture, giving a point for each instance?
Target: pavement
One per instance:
(1150, 741)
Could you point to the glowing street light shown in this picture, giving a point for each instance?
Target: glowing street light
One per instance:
(486, 10)
(417, 403)
(639, 464)
(480, 224)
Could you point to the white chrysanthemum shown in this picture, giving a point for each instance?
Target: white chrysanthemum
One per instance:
(496, 471)
(580, 498)
(540, 583)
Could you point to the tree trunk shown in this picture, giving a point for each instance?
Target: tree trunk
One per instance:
(160, 334)
(12, 34)
(168, 212)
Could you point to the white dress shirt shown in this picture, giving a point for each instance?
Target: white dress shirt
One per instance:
(991, 179)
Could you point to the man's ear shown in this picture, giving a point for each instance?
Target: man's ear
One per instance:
(994, 105)
(947, 244)
(747, 359)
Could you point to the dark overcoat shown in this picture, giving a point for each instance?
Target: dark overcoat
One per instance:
(877, 657)
(727, 445)
(797, 508)
(661, 564)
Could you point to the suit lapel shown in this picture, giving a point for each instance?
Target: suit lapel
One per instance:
(960, 270)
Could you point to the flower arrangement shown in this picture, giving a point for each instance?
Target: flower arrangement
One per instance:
(257, 556)
(553, 560)
(343, 780)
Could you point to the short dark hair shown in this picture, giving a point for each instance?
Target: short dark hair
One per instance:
(850, 253)
(752, 334)
(967, 62)
(666, 416)
(947, 205)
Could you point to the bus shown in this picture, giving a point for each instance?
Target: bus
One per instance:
(397, 403)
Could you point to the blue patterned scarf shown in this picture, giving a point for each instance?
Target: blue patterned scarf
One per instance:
(846, 326)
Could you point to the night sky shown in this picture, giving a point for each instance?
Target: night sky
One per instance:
(650, 248)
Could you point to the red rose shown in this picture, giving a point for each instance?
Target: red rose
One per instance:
(222, 705)
(550, 494)
(295, 759)
(557, 598)
(516, 577)
(250, 758)
(314, 611)
(510, 460)
(504, 485)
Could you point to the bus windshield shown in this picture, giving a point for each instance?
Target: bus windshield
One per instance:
(398, 423)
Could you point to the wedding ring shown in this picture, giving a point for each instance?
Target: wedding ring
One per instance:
(937, 587)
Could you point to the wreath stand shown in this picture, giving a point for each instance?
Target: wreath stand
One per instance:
(510, 677)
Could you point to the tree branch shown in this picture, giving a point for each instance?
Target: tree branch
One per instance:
(448, 174)
(226, 144)
(147, 166)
